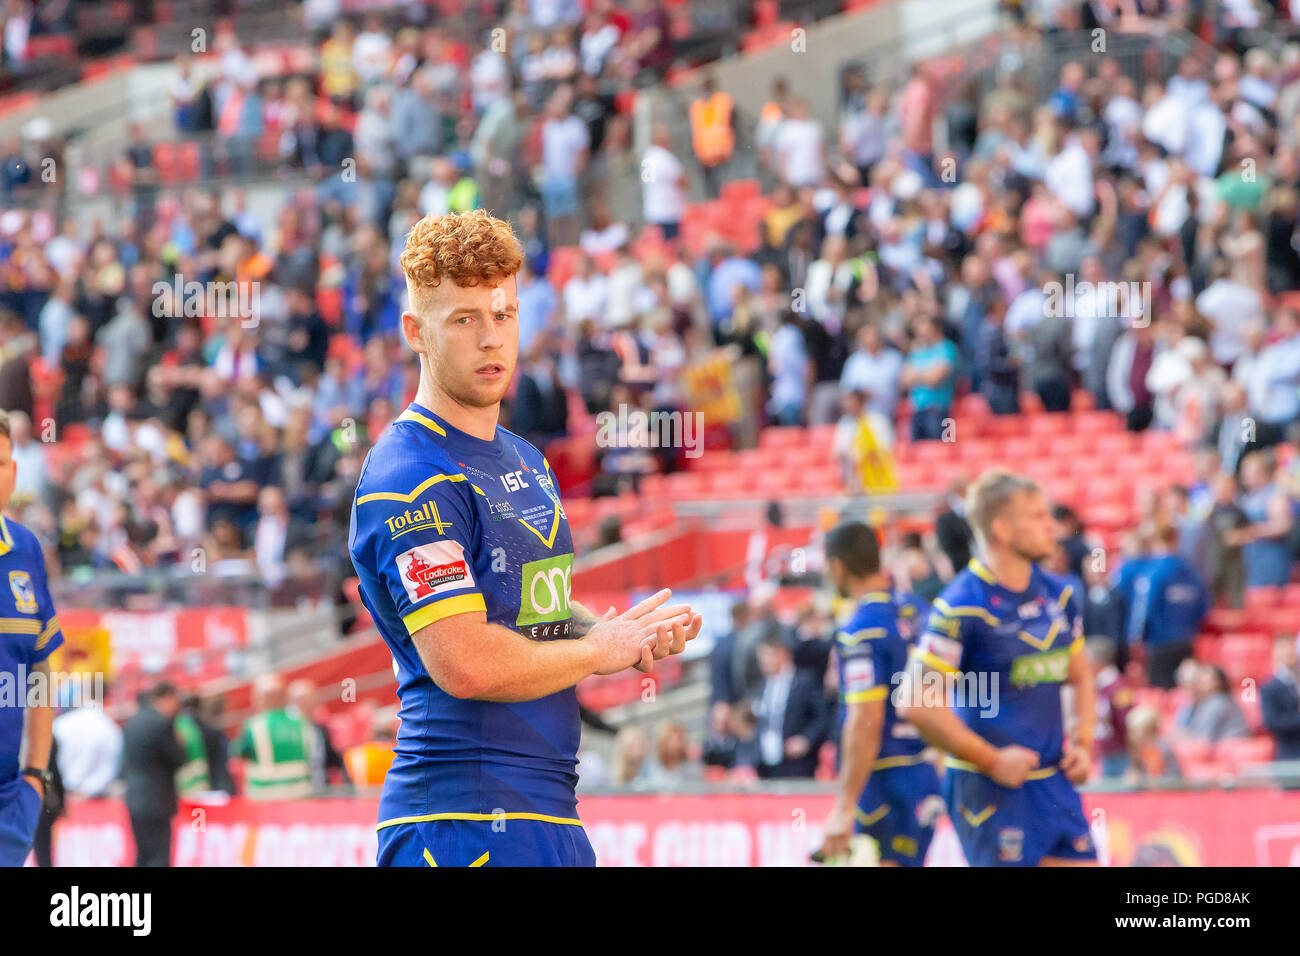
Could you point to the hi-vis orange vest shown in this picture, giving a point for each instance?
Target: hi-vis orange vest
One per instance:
(711, 135)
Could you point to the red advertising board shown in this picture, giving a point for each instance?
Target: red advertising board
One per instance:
(187, 645)
(1210, 828)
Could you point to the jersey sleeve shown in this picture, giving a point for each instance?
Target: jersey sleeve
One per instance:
(864, 676)
(944, 641)
(420, 544)
(50, 636)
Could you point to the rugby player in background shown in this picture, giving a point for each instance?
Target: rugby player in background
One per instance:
(984, 685)
(465, 559)
(886, 788)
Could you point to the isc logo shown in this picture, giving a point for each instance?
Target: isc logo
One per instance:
(514, 480)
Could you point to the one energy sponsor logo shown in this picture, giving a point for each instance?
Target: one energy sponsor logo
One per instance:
(1050, 667)
(544, 611)
(434, 569)
(426, 516)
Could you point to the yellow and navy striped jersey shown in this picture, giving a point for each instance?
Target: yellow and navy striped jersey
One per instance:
(29, 633)
(871, 653)
(444, 523)
(1012, 650)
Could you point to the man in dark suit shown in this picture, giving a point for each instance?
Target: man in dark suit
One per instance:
(1279, 700)
(151, 755)
(792, 713)
(951, 529)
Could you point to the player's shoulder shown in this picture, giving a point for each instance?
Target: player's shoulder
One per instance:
(19, 537)
(969, 588)
(875, 618)
(528, 454)
(401, 461)
(1058, 587)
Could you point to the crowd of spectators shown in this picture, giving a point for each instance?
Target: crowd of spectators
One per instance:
(915, 250)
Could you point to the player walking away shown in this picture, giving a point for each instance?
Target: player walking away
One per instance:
(984, 685)
(887, 790)
(465, 559)
(29, 633)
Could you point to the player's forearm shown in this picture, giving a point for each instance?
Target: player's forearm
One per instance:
(529, 669)
(39, 732)
(859, 747)
(581, 618)
(481, 661)
(940, 727)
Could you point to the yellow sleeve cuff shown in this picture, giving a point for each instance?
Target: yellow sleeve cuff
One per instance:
(938, 663)
(447, 607)
(863, 696)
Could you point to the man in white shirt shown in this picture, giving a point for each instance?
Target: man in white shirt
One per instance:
(797, 147)
(585, 294)
(1232, 307)
(90, 747)
(663, 184)
(566, 144)
(1069, 174)
(873, 368)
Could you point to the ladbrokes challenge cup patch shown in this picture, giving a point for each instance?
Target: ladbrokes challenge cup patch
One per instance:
(434, 569)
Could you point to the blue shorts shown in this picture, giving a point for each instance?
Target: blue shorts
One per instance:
(20, 811)
(485, 843)
(896, 811)
(1001, 827)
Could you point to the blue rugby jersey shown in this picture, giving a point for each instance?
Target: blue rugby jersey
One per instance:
(29, 633)
(870, 650)
(444, 523)
(1025, 639)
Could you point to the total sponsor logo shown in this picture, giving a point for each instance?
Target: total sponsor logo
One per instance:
(434, 569)
(426, 516)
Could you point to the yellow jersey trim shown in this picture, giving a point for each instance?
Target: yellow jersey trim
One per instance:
(975, 819)
(902, 760)
(965, 611)
(865, 696)
(1042, 643)
(6, 540)
(19, 625)
(479, 817)
(978, 568)
(481, 860)
(428, 857)
(867, 819)
(420, 489)
(933, 660)
(866, 634)
(1042, 773)
(51, 627)
(461, 604)
(425, 420)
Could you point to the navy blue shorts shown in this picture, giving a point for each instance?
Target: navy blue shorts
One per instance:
(898, 809)
(1002, 827)
(503, 842)
(20, 811)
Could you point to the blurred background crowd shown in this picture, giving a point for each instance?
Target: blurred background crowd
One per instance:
(938, 247)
